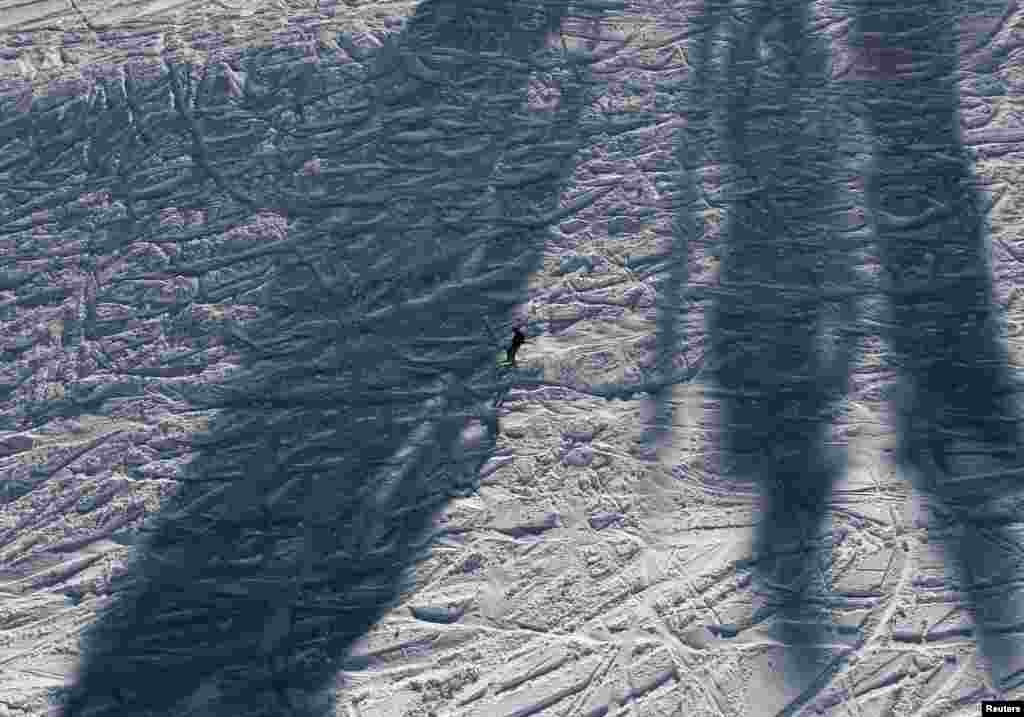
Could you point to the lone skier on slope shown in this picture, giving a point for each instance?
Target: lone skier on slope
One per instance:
(518, 339)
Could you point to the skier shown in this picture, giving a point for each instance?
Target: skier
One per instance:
(518, 339)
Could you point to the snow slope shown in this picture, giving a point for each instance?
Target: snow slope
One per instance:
(258, 263)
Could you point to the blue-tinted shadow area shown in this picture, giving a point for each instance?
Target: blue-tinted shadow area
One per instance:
(783, 324)
(365, 399)
(787, 318)
(958, 427)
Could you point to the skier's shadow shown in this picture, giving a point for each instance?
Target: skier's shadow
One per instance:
(784, 333)
(313, 494)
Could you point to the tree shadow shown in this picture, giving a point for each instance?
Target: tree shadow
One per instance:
(958, 427)
(787, 283)
(347, 427)
(784, 323)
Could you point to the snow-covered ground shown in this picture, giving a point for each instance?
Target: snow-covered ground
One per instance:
(259, 263)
